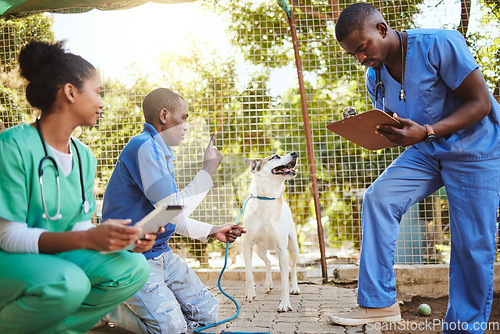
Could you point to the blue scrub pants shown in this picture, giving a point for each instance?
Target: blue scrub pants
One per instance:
(473, 198)
(67, 292)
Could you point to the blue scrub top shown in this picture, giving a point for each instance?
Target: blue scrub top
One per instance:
(143, 175)
(437, 62)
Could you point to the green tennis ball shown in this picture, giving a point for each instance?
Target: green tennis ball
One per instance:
(424, 310)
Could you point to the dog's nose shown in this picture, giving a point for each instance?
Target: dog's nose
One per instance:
(293, 154)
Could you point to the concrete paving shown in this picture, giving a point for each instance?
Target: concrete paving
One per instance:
(309, 316)
(310, 309)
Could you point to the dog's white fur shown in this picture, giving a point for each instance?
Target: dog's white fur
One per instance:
(270, 225)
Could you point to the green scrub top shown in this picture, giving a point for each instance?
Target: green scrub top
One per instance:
(21, 151)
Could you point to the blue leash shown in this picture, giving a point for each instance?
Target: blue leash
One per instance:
(198, 330)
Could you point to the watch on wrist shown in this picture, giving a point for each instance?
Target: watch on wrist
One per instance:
(431, 136)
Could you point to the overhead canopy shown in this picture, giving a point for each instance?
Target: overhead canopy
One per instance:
(8, 7)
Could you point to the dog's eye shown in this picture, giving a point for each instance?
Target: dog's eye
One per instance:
(276, 156)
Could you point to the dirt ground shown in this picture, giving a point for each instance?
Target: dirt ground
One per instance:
(413, 323)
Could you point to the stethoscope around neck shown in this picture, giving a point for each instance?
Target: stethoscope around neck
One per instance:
(47, 157)
(402, 93)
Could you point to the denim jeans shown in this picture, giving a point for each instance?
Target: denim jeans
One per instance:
(173, 299)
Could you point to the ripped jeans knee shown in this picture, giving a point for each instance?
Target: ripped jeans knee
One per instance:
(170, 318)
(174, 298)
(203, 310)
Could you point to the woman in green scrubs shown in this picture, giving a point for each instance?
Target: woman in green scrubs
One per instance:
(58, 272)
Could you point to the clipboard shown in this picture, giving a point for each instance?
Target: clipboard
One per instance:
(360, 129)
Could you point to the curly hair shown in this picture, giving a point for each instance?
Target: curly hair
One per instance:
(48, 67)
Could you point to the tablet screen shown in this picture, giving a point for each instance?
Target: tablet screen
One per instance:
(160, 216)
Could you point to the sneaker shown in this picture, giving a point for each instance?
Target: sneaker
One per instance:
(363, 315)
(101, 324)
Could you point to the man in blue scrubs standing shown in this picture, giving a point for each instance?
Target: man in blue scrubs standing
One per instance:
(451, 125)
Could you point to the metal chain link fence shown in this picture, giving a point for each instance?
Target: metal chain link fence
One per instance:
(248, 92)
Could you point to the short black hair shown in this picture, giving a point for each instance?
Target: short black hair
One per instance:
(48, 67)
(158, 99)
(354, 17)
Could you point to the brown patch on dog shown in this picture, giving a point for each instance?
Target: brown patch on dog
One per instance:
(263, 161)
(256, 164)
(260, 162)
(252, 163)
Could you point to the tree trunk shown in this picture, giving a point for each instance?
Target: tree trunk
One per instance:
(464, 17)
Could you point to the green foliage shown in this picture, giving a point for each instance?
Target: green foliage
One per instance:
(14, 34)
(12, 112)
(234, 97)
(332, 80)
(262, 32)
(486, 46)
(494, 6)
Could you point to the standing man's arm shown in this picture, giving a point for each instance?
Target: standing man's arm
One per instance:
(476, 105)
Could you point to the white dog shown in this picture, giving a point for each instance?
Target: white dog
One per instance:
(269, 224)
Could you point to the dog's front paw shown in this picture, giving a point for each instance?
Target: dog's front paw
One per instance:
(284, 307)
(295, 291)
(251, 295)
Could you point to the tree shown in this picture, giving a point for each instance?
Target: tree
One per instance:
(14, 34)
(486, 46)
(121, 114)
(333, 80)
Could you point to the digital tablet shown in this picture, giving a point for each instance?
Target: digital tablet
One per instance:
(160, 216)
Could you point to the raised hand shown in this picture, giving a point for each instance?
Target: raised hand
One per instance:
(212, 157)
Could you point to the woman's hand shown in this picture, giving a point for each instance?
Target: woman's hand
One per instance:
(228, 232)
(111, 235)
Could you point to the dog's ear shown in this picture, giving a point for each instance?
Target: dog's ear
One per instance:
(252, 163)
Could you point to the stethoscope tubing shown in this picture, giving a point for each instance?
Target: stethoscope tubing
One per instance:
(40, 173)
(380, 84)
(85, 202)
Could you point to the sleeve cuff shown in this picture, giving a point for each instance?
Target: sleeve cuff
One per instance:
(19, 238)
(194, 229)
